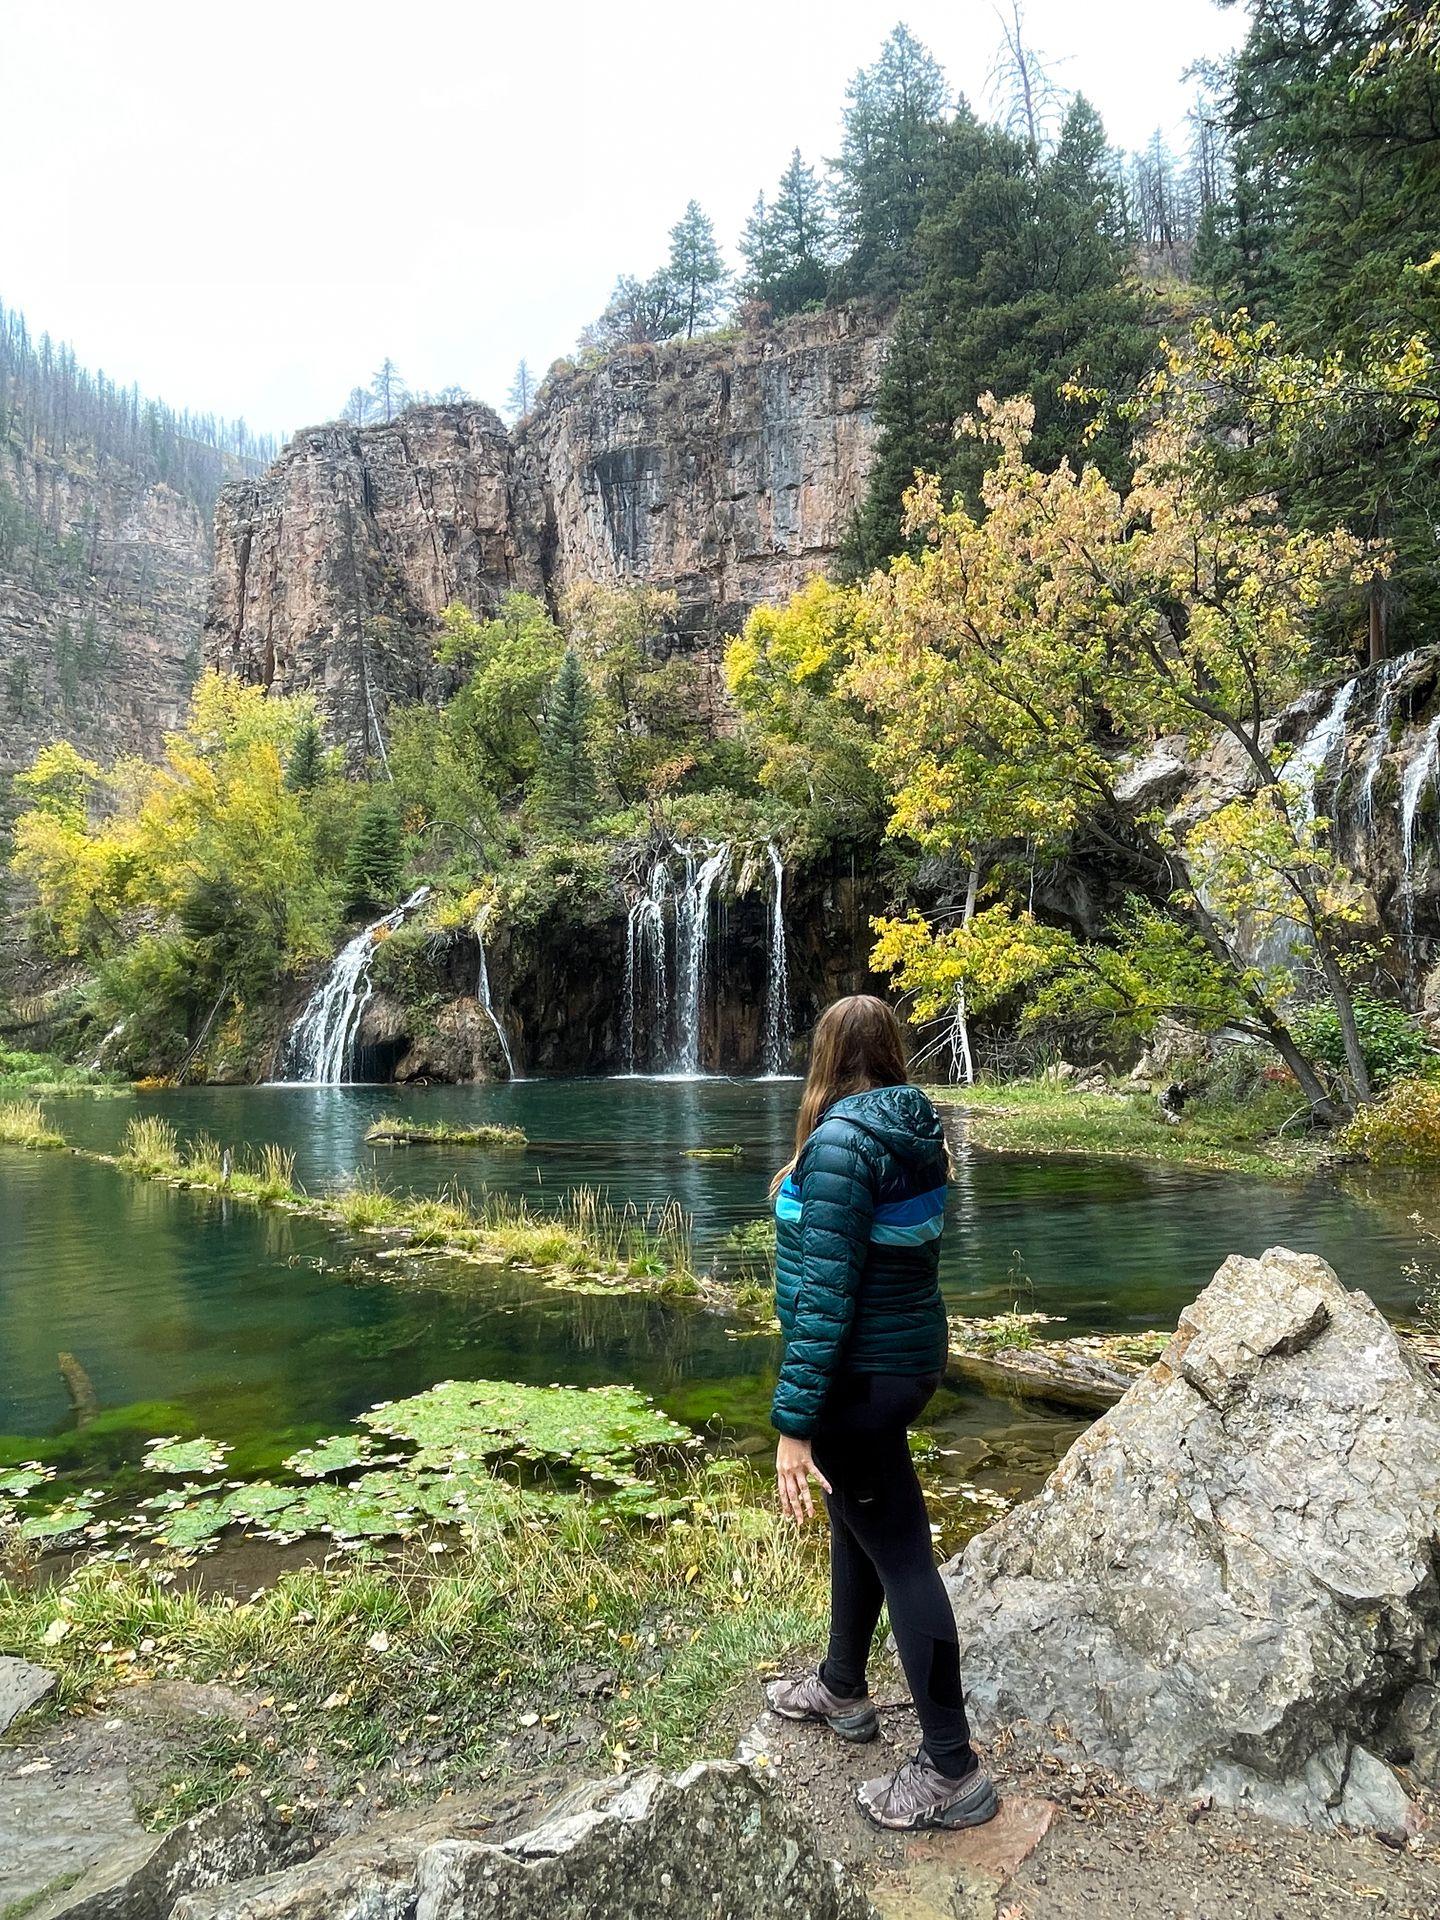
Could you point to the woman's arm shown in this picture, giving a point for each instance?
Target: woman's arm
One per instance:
(837, 1202)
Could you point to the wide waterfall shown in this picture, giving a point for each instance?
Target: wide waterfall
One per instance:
(486, 998)
(670, 970)
(320, 1048)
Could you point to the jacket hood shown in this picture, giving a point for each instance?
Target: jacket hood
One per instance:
(902, 1119)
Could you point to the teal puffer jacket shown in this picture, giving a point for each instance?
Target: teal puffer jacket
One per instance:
(857, 1230)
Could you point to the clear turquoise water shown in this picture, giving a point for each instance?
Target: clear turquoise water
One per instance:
(267, 1331)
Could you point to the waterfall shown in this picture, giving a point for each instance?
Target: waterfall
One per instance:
(1387, 682)
(483, 995)
(1419, 773)
(692, 940)
(320, 1047)
(645, 966)
(778, 1035)
(660, 1035)
(1310, 760)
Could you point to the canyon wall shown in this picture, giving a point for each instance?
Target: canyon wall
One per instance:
(724, 470)
(102, 592)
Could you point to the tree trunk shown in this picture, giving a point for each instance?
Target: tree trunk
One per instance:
(1379, 635)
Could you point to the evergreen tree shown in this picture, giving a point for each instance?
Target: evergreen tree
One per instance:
(1025, 290)
(1330, 230)
(893, 123)
(696, 272)
(786, 245)
(521, 396)
(373, 862)
(760, 251)
(306, 762)
(387, 389)
(565, 778)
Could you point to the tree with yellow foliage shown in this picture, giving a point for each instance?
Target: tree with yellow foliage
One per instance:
(1017, 659)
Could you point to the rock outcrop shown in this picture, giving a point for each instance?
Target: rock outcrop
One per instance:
(102, 593)
(1229, 1585)
(714, 1842)
(726, 471)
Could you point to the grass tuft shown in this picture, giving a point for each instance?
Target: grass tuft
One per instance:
(22, 1124)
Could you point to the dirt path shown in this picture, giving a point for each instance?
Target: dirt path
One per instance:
(1072, 1845)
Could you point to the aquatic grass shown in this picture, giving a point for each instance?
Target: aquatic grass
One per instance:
(23, 1124)
(407, 1133)
(150, 1146)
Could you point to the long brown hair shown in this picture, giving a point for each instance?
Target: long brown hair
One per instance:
(858, 1043)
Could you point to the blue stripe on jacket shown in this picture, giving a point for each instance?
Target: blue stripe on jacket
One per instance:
(898, 1223)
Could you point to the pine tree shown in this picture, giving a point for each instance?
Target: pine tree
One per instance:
(893, 123)
(521, 396)
(786, 243)
(1024, 289)
(1329, 230)
(696, 271)
(761, 254)
(373, 863)
(388, 389)
(306, 762)
(565, 779)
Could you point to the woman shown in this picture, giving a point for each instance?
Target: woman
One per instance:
(859, 1211)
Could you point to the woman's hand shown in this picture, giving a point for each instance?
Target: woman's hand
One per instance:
(795, 1468)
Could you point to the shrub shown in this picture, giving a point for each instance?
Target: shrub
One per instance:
(1401, 1129)
(1392, 1040)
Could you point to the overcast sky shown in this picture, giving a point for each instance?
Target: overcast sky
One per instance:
(246, 207)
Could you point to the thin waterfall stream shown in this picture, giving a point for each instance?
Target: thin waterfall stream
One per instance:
(486, 998)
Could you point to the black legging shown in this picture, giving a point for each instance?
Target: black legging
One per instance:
(880, 1551)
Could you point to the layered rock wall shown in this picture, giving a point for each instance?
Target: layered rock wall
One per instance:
(726, 471)
(102, 592)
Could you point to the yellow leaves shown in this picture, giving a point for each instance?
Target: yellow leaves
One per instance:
(999, 953)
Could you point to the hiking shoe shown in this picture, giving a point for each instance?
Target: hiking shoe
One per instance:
(808, 1698)
(917, 1795)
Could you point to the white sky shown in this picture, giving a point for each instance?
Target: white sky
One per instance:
(245, 207)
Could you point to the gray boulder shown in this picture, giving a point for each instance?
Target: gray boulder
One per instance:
(22, 1685)
(141, 1879)
(714, 1842)
(1228, 1586)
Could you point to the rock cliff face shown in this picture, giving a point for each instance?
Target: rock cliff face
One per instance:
(726, 471)
(102, 591)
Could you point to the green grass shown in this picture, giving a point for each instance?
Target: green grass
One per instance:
(1228, 1135)
(22, 1124)
(405, 1133)
(463, 1646)
(46, 1073)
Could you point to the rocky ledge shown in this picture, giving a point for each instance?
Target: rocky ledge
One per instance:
(1227, 1589)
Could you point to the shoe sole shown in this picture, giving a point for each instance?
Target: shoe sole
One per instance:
(968, 1811)
(857, 1728)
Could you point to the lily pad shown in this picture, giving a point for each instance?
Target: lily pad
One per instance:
(24, 1480)
(60, 1523)
(335, 1455)
(174, 1455)
(592, 1428)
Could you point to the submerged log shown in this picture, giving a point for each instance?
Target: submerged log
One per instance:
(80, 1387)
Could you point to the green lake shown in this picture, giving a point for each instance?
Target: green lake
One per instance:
(267, 1331)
